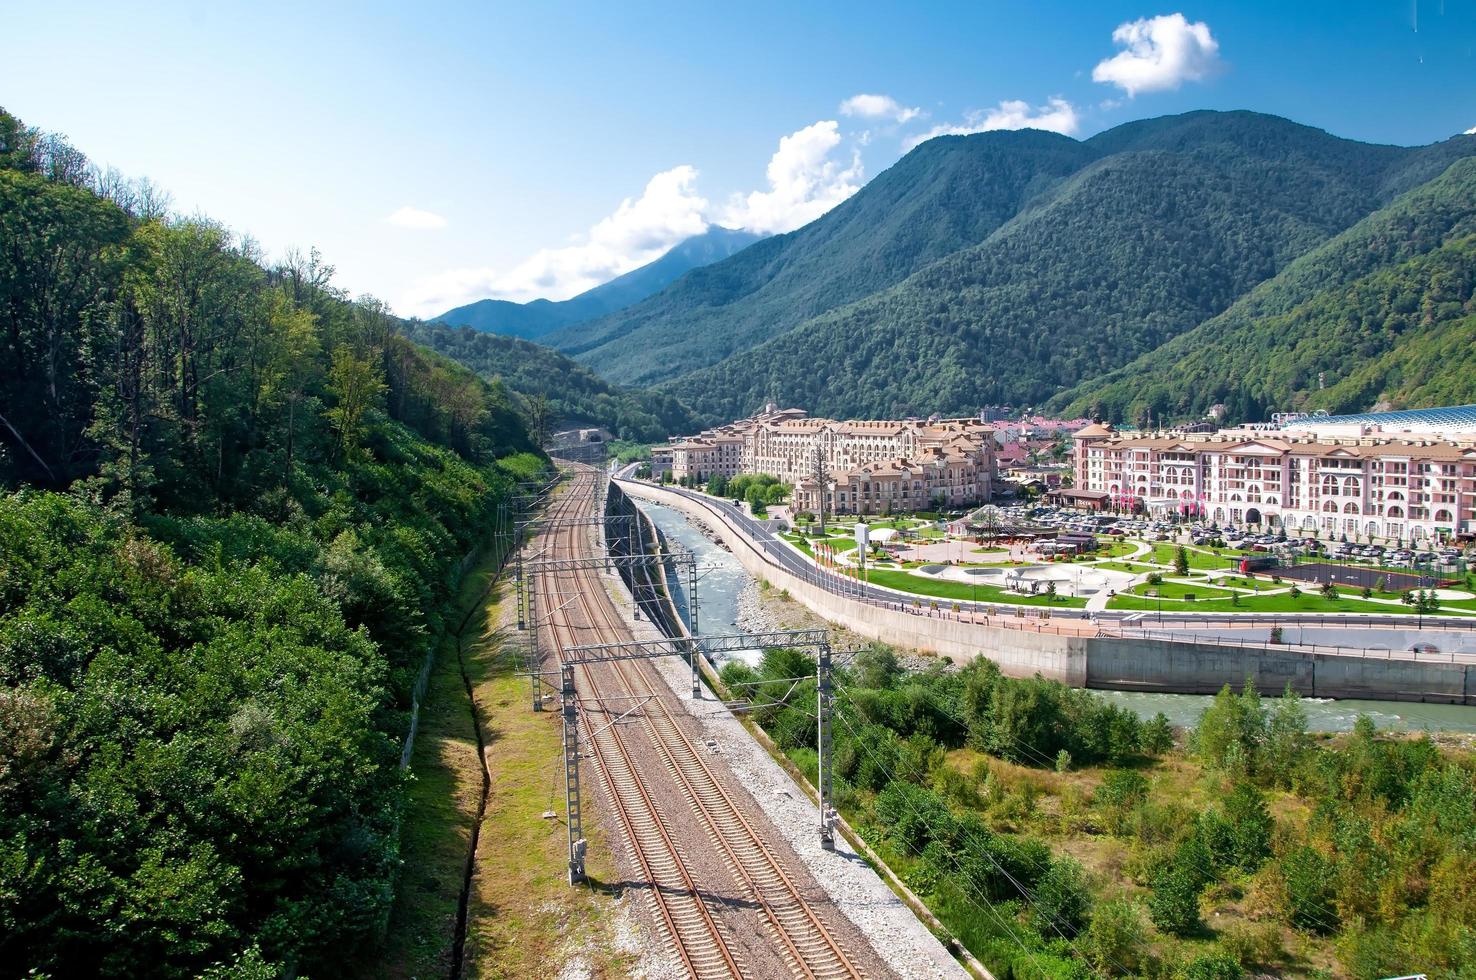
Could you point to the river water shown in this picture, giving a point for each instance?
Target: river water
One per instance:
(722, 579)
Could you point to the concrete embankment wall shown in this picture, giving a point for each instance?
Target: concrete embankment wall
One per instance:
(1107, 662)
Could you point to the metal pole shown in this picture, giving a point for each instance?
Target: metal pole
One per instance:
(692, 654)
(823, 753)
(571, 776)
(518, 579)
(535, 658)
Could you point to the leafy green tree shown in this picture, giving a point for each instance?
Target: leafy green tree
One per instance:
(1181, 560)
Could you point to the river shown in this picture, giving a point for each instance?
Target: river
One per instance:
(723, 579)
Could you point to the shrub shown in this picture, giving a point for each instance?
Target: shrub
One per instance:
(1213, 966)
(1062, 901)
(1115, 939)
(1174, 904)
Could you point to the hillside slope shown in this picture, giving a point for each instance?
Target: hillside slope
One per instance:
(575, 394)
(534, 319)
(1382, 315)
(949, 193)
(1182, 218)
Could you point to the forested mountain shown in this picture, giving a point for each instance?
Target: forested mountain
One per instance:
(1062, 260)
(1382, 315)
(541, 316)
(948, 193)
(1170, 228)
(546, 385)
(234, 509)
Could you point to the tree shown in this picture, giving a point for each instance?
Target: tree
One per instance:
(358, 389)
(1181, 561)
(1116, 937)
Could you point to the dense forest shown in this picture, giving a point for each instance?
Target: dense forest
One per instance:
(1139, 246)
(1382, 315)
(550, 389)
(945, 195)
(235, 506)
(1058, 836)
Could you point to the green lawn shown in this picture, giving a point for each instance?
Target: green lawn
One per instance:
(1116, 549)
(1163, 553)
(1307, 602)
(1127, 566)
(949, 589)
(1178, 590)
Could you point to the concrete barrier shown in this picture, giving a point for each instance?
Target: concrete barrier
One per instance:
(1106, 662)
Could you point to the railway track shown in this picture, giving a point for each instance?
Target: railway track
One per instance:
(691, 918)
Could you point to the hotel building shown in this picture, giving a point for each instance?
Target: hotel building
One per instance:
(1382, 476)
(864, 467)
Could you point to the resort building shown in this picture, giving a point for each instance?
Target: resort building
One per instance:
(1388, 476)
(859, 466)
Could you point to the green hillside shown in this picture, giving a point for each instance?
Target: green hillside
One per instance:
(1176, 222)
(948, 193)
(1382, 316)
(532, 320)
(233, 511)
(541, 381)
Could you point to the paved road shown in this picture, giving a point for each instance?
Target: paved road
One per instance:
(761, 538)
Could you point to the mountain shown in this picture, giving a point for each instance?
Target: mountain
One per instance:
(575, 394)
(1086, 255)
(534, 319)
(946, 194)
(1383, 315)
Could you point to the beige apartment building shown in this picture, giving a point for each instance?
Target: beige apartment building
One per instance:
(1388, 476)
(860, 466)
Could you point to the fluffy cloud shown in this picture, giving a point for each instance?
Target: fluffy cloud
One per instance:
(878, 107)
(1057, 116)
(1470, 132)
(639, 231)
(408, 217)
(804, 179)
(1159, 53)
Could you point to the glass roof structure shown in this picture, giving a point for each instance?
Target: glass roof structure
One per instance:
(1457, 418)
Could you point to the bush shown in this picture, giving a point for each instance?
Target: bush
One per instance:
(1116, 937)
(1213, 966)
(1174, 904)
(1062, 900)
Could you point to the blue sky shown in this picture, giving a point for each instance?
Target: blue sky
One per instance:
(437, 153)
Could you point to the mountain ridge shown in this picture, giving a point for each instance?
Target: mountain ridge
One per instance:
(538, 317)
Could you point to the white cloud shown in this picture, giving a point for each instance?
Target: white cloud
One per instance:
(1159, 53)
(804, 182)
(1470, 132)
(878, 107)
(639, 231)
(408, 217)
(1057, 116)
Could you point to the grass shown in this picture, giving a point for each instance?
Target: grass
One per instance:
(1127, 566)
(1307, 602)
(1164, 553)
(949, 589)
(523, 917)
(1178, 590)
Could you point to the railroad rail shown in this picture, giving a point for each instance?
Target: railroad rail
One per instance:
(691, 918)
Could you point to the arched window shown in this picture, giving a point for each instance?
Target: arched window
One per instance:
(1443, 515)
(1395, 495)
(1219, 513)
(1372, 528)
(1350, 508)
(1350, 487)
(1309, 523)
(1235, 498)
(1394, 512)
(1271, 500)
(1416, 533)
(1329, 506)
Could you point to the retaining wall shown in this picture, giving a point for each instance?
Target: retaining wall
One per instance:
(1106, 662)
